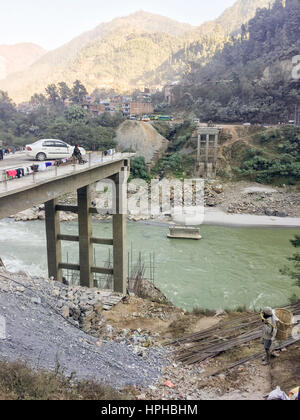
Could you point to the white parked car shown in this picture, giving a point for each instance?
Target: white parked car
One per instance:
(48, 149)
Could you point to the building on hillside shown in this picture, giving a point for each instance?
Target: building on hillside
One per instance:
(126, 108)
(168, 91)
(96, 109)
(141, 108)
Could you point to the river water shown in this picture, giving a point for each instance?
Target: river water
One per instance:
(230, 267)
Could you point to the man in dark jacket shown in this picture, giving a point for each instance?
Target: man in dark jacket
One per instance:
(77, 154)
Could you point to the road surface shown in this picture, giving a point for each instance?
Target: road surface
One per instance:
(13, 161)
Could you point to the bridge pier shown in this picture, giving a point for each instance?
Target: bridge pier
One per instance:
(119, 233)
(53, 243)
(85, 234)
(85, 237)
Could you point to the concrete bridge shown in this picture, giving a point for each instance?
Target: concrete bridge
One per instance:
(47, 187)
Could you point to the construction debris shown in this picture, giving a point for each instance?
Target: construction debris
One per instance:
(210, 343)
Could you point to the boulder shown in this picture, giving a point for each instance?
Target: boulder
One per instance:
(218, 189)
(146, 290)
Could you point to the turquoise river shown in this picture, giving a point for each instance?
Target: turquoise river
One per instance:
(230, 267)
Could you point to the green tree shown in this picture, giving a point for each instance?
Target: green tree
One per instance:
(64, 91)
(79, 92)
(138, 168)
(53, 94)
(7, 107)
(75, 113)
(38, 99)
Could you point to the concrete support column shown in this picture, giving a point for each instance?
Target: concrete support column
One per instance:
(216, 151)
(206, 151)
(85, 235)
(119, 232)
(53, 244)
(199, 148)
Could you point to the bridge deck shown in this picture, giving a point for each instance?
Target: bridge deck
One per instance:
(20, 194)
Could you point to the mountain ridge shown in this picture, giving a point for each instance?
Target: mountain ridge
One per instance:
(143, 38)
(18, 57)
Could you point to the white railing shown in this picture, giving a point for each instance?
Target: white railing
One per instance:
(93, 160)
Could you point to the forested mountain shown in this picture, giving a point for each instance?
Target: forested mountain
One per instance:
(18, 57)
(241, 12)
(131, 52)
(251, 78)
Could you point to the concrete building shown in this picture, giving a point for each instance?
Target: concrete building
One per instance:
(168, 91)
(141, 108)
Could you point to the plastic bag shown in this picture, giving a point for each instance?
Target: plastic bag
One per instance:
(277, 395)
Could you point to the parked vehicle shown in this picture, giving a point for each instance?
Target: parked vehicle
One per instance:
(165, 118)
(48, 149)
(133, 117)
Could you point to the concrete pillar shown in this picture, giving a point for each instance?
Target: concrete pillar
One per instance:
(199, 148)
(206, 151)
(216, 152)
(85, 235)
(119, 233)
(53, 244)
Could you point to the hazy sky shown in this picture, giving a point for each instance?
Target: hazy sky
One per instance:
(51, 23)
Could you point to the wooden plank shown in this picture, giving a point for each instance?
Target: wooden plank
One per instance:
(65, 266)
(74, 209)
(102, 241)
(75, 238)
(68, 238)
(285, 344)
(100, 270)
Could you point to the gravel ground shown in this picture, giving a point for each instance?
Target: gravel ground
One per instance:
(37, 334)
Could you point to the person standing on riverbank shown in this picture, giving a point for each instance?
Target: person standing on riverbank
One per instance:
(269, 333)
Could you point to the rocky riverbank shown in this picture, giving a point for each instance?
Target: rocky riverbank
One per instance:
(230, 198)
(51, 325)
(47, 324)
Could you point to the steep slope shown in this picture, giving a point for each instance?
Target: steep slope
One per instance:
(18, 57)
(240, 13)
(60, 64)
(137, 50)
(251, 78)
(143, 139)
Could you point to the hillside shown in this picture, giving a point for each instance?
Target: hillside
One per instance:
(143, 139)
(251, 78)
(18, 57)
(240, 13)
(65, 63)
(126, 53)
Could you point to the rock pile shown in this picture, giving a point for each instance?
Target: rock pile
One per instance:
(146, 290)
(38, 213)
(40, 330)
(83, 306)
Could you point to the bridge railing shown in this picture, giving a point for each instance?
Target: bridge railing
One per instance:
(93, 159)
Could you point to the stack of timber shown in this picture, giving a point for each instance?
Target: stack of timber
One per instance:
(210, 343)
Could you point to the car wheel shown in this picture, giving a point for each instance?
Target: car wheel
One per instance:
(41, 157)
